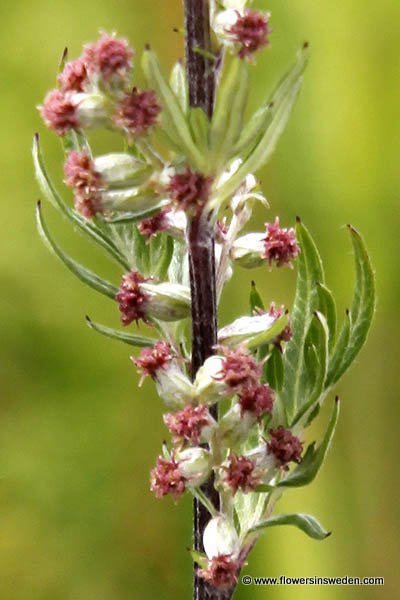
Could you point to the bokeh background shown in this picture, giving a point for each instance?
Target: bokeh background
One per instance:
(77, 438)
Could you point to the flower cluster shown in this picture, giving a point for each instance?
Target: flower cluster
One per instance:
(131, 298)
(280, 245)
(94, 91)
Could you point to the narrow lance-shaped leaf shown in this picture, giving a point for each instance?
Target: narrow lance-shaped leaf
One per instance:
(88, 277)
(256, 302)
(316, 362)
(262, 118)
(327, 307)
(52, 195)
(260, 154)
(313, 459)
(173, 119)
(361, 311)
(199, 126)
(178, 84)
(309, 271)
(139, 341)
(227, 119)
(306, 523)
(273, 369)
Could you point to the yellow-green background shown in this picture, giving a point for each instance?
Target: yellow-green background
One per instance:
(77, 439)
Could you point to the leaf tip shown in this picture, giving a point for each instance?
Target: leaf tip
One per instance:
(306, 44)
(147, 47)
(337, 400)
(298, 220)
(64, 55)
(328, 534)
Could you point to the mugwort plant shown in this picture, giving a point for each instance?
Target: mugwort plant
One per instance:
(170, 209)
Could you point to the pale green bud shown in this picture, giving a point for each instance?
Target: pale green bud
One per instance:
(249, 250)
(234, 427)
(93, 110)
(208, 386)
(174, 387)
(220, 537)
(120, 169)
(194, 464)
(252, 331)
(167, 301)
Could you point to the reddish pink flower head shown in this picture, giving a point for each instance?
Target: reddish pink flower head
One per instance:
(131, 298)
(189, 190)
(285, 446)
(221, 572)
(286, 334)
(81, 175)
(239, 368)
(74, 76)
(241, 474)
(137, 111)
(156, 224)
(59, 112)
(280, 245)
(109, 57)
(257, 399)
(153, 359)
(250, 31)
(166, 478)
(186, 425)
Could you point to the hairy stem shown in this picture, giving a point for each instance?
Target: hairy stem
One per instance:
(201, 78)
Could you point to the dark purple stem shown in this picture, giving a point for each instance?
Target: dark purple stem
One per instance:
(201, 79)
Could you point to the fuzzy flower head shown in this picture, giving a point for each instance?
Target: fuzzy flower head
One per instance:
(81, 175)
(155, 224)
(221, 572)
(109, 58)
(59, 112)
(239, 368)
(284, 446)
(167, 479)
(257, 399)
(131, 298)
(137, 112)
(250, 32)
(153, 359)
(241, 474)
(189, 190)
(74, 76)
(186, 426)
(280, 245)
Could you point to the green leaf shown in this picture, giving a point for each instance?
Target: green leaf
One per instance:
(253, 331)
(88, 277)
(307, 523)
(361, 311)
(281, 107)
(134, 217)
(309, 271)
(47, 188)
(339, 352)
(199, 126)
(273, 369)
(313, 458)
(229, 110)
(316, 363)
(178, 84)
(327, 307)
(256, 302)
(199, 557)
(172, 118)
(128, 338)
(161, 250)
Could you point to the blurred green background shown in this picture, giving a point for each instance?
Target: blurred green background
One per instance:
(77, 438)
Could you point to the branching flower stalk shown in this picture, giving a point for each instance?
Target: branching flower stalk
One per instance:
(170, 210)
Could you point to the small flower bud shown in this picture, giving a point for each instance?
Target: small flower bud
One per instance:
(174, 387)
(239, 368)
(109, 59)
(221, 572)
(284, 446)
(189, 191)
(81, 174)
(194, 465)
(151, 360)
(280, 245)
(248, 250)
(220, 537)
(192, 424)
(257, 399)
(173, 222)
(137, 112)
(120, 169)
(235, 426)
(74, 77)
(92, 110)
(253, 331)
(249, 31)
(166, 478)
(209, 387)
(242, 474)
(167, 301)
(132, 299)
(59, 112)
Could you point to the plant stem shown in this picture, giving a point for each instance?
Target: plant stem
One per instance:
(201, 81)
